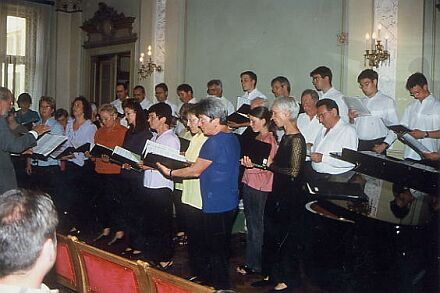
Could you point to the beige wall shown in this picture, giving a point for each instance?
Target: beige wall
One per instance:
(211, 39)
(68, 58)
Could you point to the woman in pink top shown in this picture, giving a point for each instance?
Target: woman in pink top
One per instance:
(257, 183)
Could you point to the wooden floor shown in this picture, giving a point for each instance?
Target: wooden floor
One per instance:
(181, 267)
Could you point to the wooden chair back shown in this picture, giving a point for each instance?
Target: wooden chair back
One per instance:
(104, 272)
(67, 268)
(167, 283)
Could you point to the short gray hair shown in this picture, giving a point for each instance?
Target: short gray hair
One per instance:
(216, 82)
(27, 220)
(213, 108)
(5, 93)
(287, 104)
(312, 93)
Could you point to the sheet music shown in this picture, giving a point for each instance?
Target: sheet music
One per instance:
(241, 101)
(162, 150)
(413, 143)
(58, 152)
(356, 104)
(48, 143)
(127, 154)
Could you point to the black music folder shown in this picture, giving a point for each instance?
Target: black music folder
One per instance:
(241, 115)
(398, 129)
(169, 157)
(151, 160)
(257, 151)
(70, 150)
(406, 138)
(118, 155)
(99, 150)
(184, 144)
(47, 144)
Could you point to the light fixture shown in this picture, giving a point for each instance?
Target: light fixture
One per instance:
(146, 68)
(375, 52)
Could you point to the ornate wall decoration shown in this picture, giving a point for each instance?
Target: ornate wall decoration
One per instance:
(385, 13)
(159, 38)
(108, 27)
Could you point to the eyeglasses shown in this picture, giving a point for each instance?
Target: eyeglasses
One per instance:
(321, 115)
(205, 119)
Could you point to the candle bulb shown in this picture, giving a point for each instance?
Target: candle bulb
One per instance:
(141, 59)
(373, 40)
(367, 40)
(149, 47)
(379, 27)
(386, 42)
(142, 55)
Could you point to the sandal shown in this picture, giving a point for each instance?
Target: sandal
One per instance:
(164, 265)
(245, 270)
(181, 240)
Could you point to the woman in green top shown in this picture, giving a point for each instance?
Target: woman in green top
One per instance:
(191, 195)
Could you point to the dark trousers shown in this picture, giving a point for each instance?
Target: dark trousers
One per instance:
(178, 211)
(194, 229)
(217, 229)
(367, 145)
(108, 201)
(254, 202)
(135, 203)
(45, 179)
(282, 236)
(160, 224)
(78, 194)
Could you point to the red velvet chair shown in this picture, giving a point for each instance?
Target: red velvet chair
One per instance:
(167, 283)
(67, 269)
(104, 272)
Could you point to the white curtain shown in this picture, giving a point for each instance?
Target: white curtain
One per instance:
(40, 32)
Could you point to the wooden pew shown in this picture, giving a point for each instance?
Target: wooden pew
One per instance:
(67, 268)
(103, 272)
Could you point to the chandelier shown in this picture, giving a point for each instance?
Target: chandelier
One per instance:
(375, 52)
(147, 67)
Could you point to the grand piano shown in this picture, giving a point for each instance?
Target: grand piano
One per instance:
(367, 238)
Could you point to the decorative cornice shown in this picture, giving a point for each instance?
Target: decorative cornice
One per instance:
(108, 27)
(69, 6)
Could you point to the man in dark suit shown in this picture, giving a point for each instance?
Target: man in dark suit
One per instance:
(12, 144)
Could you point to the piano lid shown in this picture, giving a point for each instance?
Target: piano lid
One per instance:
(407, 173)
(378, 202)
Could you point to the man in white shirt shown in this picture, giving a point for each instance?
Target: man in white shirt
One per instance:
(322, 81)
(28, 245)
(161, 94)
(215, 90)
(281, 88)
(308, 122)
(421, 115)
(334, 136)
(140, 95)
(248, 81)
(121, 95)
(371, 130)
(185, 93)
